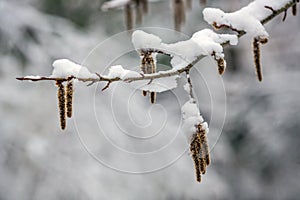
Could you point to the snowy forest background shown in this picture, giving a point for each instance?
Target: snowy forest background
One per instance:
(255, 157)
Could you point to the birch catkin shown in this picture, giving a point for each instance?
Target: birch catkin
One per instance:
(69, 98)
(256, 54)
(61, 104)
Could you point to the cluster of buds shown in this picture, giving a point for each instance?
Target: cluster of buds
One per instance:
(65, 101)
(200, 151)
(148, 66)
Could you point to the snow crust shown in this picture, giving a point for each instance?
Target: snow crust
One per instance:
(202, 43)
(64, 68)
(191, 118)
(247, 19)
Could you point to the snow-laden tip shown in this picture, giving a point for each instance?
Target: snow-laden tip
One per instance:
(64, 68)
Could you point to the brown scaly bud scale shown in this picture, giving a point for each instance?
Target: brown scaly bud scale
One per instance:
(61, 104)
(69, 98)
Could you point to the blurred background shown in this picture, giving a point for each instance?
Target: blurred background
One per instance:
(118, 145)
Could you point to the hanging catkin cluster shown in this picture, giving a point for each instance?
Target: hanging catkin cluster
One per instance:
(148, 66)
(200, 151)
(137, 8)
(65, 101)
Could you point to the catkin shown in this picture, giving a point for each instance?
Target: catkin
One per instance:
(199, 151)
(195, 156)
(148, 66)
(179, 13)
(153, 97)
(188, 4)
(138, 12)
(61, 104)
(69, 98)
(128, 17)
(256, 53)
(294, 8)
(202, 2)
(145, 6)
(205, 148)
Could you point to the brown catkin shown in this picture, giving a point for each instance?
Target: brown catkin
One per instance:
(205, 148)
(138, 12)
(61, 104)
(195, 156)
(145, 6)
(128, 17)
(69, 98)
(202, 2)
(256, 53)
(201, 155)
(294, 9)
(152, 97)
(144, 93)
(189, 4)
(148, 66)
(179, 14)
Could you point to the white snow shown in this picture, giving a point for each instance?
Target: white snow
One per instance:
(143, 40)
(64, 68)
(202, 43)
(33, 77)
(118, 71)
(156, 85)
(191, 118)
(114, 4)
(246, 19)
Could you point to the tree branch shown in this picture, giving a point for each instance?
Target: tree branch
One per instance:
(157, 75)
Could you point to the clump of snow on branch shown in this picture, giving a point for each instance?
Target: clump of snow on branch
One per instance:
(119, 72)
(191, 118)
(64, 68)
(247, 19)
(202, 43)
